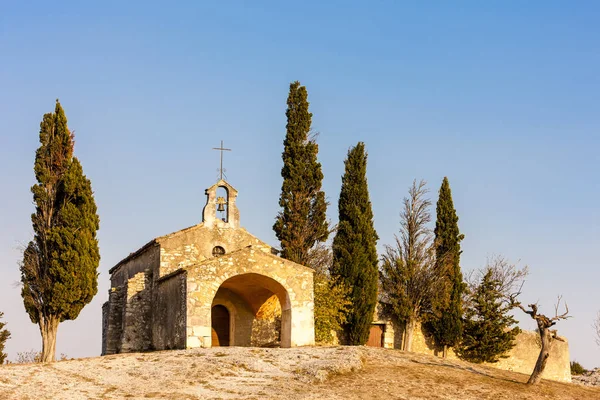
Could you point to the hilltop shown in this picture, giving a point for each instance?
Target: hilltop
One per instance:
(259, 373)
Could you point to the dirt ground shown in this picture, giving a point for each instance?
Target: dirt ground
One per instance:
(252, 373)
(398, 375)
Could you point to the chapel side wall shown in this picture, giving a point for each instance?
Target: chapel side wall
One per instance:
(168, 328)
(147, 258)
(195, 244)
(137, 313)
(521, 358)
(114, 322)
(105, 311)
(115, 311)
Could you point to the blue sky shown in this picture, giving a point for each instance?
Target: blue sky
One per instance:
(500, 96)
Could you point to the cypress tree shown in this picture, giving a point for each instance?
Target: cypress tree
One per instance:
(488, 331)
(301, 223)
(447, 326)
(59, 267)
(4, 336)
(354, 246)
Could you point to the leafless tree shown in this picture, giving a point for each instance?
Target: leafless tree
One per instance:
(509, 276)
(319, 258)
(547, 335)
(596, 327)
(408, 275)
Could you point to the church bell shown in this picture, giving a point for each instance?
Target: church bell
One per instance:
(221, 204)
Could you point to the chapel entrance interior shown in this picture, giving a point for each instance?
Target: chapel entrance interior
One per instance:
(220, 326)
(251, 310)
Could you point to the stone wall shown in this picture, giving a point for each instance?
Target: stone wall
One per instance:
(525, 353)
(194, 245)
(131, 292)
(105, 313)
(292, 283)
(137, 313)
(148, 257)
(521, 358)
(266, 326)
(114, 320)
(169, 319)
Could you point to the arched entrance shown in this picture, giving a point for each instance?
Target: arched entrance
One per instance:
(220, 326)
(259, 312)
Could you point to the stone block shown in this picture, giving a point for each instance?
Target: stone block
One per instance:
(193, 342)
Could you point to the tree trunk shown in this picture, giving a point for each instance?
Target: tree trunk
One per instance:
(408, 334)
(445, 351)
(48, 328)
(536, 375)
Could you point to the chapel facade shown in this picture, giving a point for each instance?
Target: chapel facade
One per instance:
(212, 284)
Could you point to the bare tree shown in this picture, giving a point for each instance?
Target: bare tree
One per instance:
(319, 258)
(596, 327)
(509, 276)
(547, 335)
(408, 275)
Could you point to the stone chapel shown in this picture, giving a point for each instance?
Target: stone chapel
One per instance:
(212, 284)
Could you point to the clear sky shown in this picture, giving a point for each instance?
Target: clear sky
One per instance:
(500, 96)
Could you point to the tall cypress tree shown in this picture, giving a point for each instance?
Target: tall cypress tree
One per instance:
(447, 325)
(489, 328)
(59, 267)
(302, 222)
(354, 246)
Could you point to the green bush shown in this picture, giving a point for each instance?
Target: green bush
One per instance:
(577, 369)
(331, 307)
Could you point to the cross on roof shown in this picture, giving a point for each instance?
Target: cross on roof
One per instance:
(221, 149)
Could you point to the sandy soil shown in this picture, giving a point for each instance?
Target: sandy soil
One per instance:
(252, 373)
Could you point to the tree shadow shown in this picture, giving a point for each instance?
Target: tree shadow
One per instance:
(470, 369)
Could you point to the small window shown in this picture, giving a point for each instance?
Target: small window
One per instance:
(218, 251)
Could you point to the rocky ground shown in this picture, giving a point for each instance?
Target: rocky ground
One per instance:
(253, 373)
(589, 378)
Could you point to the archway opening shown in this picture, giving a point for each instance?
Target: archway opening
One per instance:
(259, 309)
(220, 326)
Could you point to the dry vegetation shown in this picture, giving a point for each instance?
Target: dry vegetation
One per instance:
(251, 373)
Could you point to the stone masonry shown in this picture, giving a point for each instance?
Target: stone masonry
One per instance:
(521, 358)
(162, 296)
(256, 267)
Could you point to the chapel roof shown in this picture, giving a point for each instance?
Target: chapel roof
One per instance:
(152, 242)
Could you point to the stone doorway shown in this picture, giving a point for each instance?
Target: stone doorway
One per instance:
(376, 336)
(259, 312)
(220, 326)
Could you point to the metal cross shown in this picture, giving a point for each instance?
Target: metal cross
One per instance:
(222, 149)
